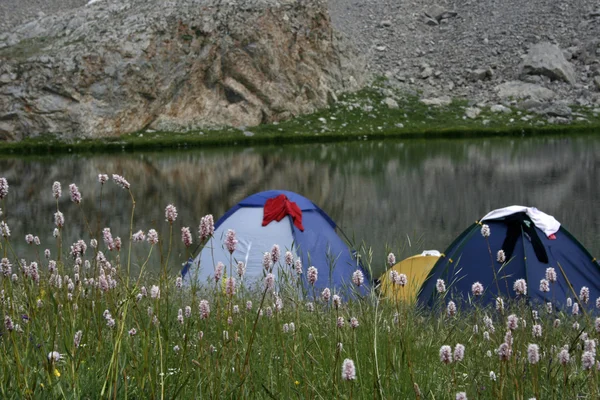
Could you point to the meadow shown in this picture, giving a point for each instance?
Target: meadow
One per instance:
(85, 320)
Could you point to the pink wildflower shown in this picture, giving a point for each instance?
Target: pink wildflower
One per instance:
(152, 237)
(537, 330)
(3, 188)
(275, 253)
(132, 332)
(588, 360)
(75, 194)
(564, 357)
(446, 354)
(550, 275)
(391, 259)
(326, 295)
(249, 305)
(575, 309)
(500, 256)
(459, 352)
(461, 396)
(269, 281)
(440, 286)
(289, 258)
(8, 322)
(230, 241)
(298, 267)
(544, 286)
(520, 287)
(485, 230)
(186, 236)
(241, 268)
(219, 271)
(56, 190)
(204, 309)
(179, 282)
(348, 370)
(584, 294)
(119, 180)
(102, 178)
(170, 213)
(139, 236)
(207, 227)
(108, 239)
(29, 238)
(312, 275)
(477, 289)
(267, 263)
(533, 354)
(230, 286)
(512, 322)
(155, 292)
(337, 301)
(340, 322)
(59, 219)
(117, 243)
(451, 309)
(504, 352)
(393, 276)
(358, 277)
(401, 280)
(354, 322)
(77, 338)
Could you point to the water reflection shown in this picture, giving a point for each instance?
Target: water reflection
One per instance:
(379, 192)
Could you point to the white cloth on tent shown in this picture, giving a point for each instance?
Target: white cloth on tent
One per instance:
(434, 253)
(546, 223)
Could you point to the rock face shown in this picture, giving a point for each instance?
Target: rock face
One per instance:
(548, 59)
(116, 67)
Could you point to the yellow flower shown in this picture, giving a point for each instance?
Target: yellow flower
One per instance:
(42, 385)
(296, 383)
(56, 373)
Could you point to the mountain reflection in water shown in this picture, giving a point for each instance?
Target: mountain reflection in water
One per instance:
(383, 193)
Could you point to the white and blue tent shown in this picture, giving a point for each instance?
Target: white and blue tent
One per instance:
(303, 228)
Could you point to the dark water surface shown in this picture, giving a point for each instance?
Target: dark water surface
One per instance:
(382, 193)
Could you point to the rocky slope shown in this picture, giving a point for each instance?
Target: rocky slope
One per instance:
(114, 67)
(467, 48)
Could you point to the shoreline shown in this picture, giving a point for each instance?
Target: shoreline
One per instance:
(374, 113)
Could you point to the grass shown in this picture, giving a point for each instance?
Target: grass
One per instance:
(79, 324)
(355, 116)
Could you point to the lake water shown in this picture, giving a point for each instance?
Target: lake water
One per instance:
(406, 195)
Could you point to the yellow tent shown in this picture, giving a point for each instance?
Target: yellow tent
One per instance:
(416, 269)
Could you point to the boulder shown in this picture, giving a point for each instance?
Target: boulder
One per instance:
(521, 90)
(472, 112)
(437, 101)
(548, 59)
(120, 67)
(391, 103)
(499, 108)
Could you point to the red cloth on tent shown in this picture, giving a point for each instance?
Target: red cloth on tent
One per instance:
(278, 207)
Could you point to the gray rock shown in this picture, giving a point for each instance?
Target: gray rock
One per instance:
(531, 105)
(437, 101)
(430, 21)
(472, 112)
(386, 23)
(557, 110)
(426, 72)
(499, 108)
(597, 82)
(479, 74)
(122, 66)
(522, 90)
(391, 103)
(547, 59)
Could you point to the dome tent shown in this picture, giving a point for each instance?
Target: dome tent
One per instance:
(532, 242)
(416, 269)
(294, 223)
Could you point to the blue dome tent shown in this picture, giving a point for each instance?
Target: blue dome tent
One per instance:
(532, 242)
(300, 227)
